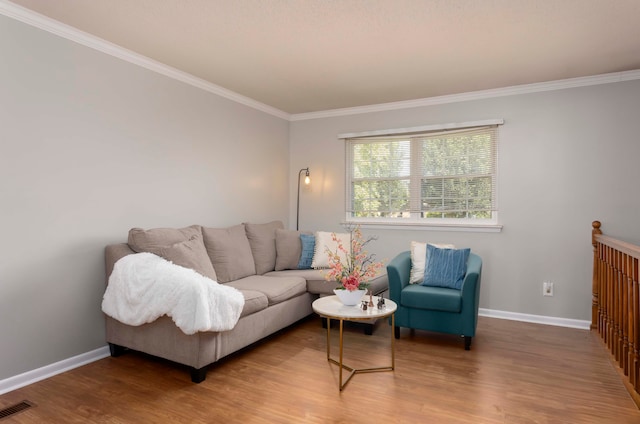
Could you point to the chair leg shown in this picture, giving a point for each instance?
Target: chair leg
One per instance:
(396, 332)
(467, 342)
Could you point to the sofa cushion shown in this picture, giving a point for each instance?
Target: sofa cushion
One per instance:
(141, 240)
(183, 247)
(262, 239)
(276, 289)
(230, 252)
(324, 242)
(254, 301)
(419, 259)
(314, 279)
(445, 267)
(316, 283)
(288, 249)
(431, 298)
(189, 254)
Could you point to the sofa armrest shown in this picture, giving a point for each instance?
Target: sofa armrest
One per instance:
(398, 271)
(112, 253)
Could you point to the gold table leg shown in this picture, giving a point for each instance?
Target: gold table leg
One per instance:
(393, 341)
(353, 371)
(328, 338)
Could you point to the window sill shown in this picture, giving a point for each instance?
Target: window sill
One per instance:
(416, 226)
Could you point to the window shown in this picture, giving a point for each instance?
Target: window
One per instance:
(431, 176)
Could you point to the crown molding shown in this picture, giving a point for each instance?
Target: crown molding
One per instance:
(475, 95)
(52, 26)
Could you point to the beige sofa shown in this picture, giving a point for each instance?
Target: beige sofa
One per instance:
(260, 260)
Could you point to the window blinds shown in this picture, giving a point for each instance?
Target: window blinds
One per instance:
(433, 174)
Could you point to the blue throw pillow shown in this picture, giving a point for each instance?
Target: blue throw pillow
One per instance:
(308, 247)
(445, 267)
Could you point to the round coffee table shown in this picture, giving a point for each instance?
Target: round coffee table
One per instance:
(330, 307)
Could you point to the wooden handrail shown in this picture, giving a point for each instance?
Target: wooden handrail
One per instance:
(615, 310)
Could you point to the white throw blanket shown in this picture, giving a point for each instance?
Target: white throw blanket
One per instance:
(143, 287)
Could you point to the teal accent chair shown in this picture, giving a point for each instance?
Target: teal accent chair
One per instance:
(437, 309)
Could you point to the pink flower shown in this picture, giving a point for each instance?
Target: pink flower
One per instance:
(358, 268)
(351, 283)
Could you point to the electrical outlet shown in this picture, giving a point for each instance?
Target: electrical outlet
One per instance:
(547, 288)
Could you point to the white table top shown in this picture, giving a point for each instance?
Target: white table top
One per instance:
(331, 307)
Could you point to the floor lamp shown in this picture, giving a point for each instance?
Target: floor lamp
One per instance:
(307, 180)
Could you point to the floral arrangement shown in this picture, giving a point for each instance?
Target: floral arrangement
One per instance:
(358, 266)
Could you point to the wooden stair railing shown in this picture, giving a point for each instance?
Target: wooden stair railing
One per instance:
(615, 310)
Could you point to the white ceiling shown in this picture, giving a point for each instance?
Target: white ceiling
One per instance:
(302, 56)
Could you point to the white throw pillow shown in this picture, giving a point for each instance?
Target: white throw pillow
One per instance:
(419, 259)
(323, 242)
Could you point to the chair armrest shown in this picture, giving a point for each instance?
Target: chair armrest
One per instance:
(471, 293)
(398, 272)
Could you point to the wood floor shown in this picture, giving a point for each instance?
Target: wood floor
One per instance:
(515, 373)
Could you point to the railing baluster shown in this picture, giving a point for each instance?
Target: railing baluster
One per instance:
(626, 313)
(618, 302)
(610, 298)
(634, 323)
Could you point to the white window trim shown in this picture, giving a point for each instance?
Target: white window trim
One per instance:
(424, 128)
(415, 226)
(452, 225)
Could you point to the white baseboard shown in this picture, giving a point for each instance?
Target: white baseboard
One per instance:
(537, 319)
(29, 377)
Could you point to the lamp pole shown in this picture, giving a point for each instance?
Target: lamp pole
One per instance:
(307, 180)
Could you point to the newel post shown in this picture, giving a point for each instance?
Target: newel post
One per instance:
(595, 231)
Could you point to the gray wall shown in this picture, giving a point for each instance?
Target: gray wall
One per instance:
(91, 146)
(566, 158)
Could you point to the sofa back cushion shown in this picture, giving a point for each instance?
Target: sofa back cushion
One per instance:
(291, 250)
(230, 252)
(262, 239)
(140, 240)
(288, 249)
(189, 254)
(182, 246)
